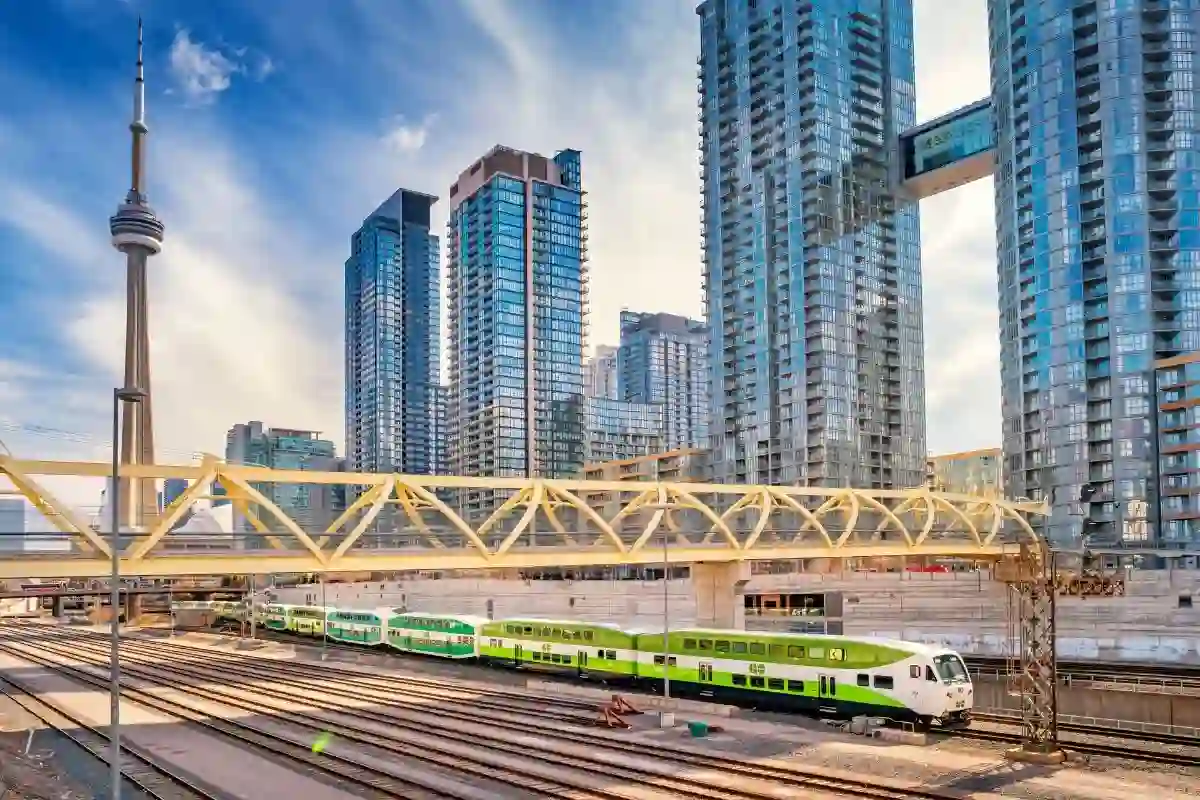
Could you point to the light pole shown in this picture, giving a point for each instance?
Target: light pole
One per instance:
(250, 610)
(126, 395)
(666, 621)
(666, 614)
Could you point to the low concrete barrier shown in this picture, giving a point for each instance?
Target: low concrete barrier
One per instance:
(639, 701)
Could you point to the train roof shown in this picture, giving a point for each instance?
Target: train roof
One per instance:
(427, 615)
(577, 622)
(916, 648)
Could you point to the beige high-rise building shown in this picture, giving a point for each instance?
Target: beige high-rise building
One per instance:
(970, 472)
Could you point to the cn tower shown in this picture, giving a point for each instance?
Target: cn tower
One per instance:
(137, 233)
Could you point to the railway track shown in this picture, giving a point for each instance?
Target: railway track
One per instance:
(551, 764)
(377, 785)
(1185, 674)
(1105, 749)
(148, 773)
(581, 712)
(1155, 737)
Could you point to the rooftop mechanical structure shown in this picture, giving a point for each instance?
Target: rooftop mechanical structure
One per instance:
(138, 233)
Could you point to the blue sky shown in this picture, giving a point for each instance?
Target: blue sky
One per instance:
(276, 125)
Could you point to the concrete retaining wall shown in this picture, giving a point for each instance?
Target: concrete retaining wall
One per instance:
(964, 611)
(1141, 704)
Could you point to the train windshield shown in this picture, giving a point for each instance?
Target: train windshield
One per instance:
(950, 669)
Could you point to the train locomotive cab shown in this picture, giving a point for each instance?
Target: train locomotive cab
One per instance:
(950, 695)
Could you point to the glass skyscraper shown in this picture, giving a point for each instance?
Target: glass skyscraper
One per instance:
(393, 349)
(811, 262)
(617, 430)
(1098, 215)
(517, 283)
(663, 359)
(600, 373)
(312, 506)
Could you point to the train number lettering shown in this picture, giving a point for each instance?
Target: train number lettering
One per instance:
(758, 669)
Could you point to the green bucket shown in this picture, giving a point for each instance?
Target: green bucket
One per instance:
(698, 729)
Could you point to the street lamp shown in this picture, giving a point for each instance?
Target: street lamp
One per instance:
(666, 649)
(126, 395)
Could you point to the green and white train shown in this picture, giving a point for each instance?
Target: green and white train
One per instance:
(837, 676)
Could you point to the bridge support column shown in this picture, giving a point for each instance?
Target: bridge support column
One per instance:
(717, 590)
(133, 608)
(56, 606)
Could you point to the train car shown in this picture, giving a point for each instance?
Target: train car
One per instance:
(583, 648)
(308, 620)
(275, 616)
(837, 676)
(445, 635)
(359, 626)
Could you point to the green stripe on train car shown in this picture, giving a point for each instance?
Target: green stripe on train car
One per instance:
(560, 631)
(420, 641)
(818, 652)
(541, 654)
(432, 622)
(845, 690)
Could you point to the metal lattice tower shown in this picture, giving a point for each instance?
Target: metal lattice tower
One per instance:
(1037, 679)
(137, 233)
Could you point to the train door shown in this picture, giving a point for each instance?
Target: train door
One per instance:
(517, 655)
(828, 692)
(706, 677)
(583, 662)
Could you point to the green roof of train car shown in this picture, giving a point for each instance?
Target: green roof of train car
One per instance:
(832, 652)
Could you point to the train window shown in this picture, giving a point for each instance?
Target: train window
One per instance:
(757, 682)
(671, 661)
(612, 656)
(658, 660)
(528, 630)
(536, 656)
(738, 680)
(795, 652)
(722, 647)
(816, 652)
(777, 651)
(758, 649)
(689, 644)
(864, 679)
(599, 654)
(775, 683)
(795, 686)
(566, 659)
(587, 636)
(929, 676)
(740, 647)
(837, 654)
(914, 672)
(884, 682)
(706, 644)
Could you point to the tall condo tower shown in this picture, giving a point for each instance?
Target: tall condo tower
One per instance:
(811, 262)
(137, 233)
(1098, 233)
(663, 360)
(393, 349)
(517, 261)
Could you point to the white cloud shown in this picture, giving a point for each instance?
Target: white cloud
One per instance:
(403, 137)
(201, 73)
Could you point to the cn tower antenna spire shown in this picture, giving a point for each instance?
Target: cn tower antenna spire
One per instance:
(138, 126)
(138, 233)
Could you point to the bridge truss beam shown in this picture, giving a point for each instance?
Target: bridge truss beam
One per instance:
(420, 522)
